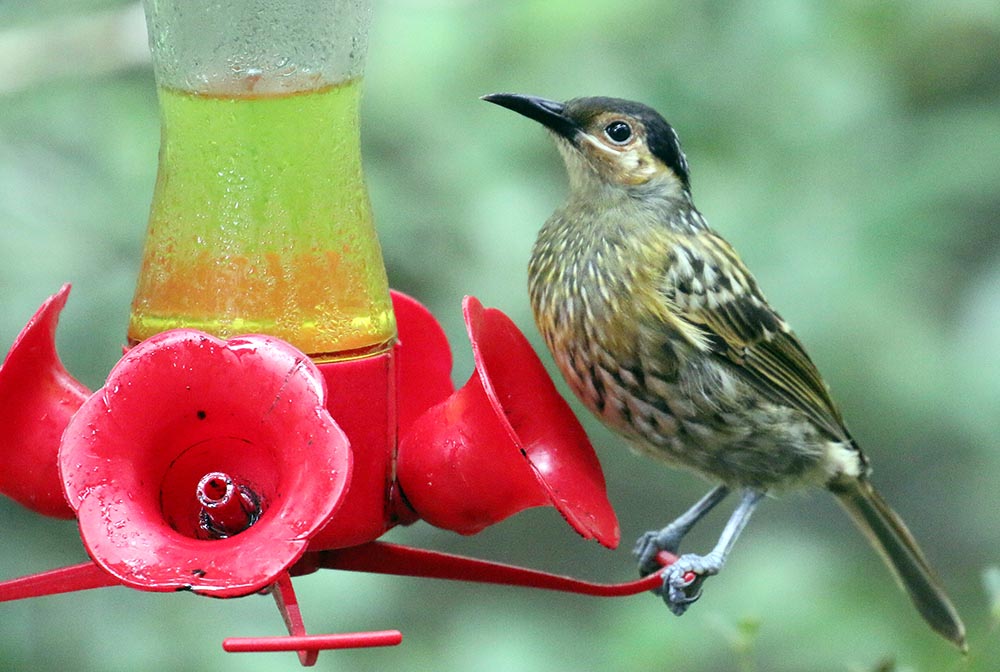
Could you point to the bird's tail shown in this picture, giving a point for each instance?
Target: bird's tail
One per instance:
(888, 534)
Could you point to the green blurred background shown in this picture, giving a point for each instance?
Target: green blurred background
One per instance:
(849, 150)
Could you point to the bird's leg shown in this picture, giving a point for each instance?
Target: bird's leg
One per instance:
(682, 580)
(669, 538)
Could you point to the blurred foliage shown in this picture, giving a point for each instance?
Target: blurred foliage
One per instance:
(848, 150)
(991, 581)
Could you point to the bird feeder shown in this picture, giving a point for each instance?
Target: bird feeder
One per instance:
(278, 408)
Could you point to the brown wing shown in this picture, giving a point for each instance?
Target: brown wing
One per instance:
(715, 292)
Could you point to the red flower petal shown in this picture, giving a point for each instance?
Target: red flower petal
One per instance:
(541, 423)
(423, 364)
(181, 405)
(37, 399)
(504, 442)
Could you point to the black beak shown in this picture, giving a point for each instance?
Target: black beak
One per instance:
(549, 113)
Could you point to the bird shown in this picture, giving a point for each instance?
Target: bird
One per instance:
(663, 333)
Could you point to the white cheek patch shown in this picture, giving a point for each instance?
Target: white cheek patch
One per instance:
(630, 162)
(597, 144)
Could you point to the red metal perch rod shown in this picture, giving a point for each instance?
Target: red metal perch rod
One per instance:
(85, 576)
(344, 640)
(385, 558)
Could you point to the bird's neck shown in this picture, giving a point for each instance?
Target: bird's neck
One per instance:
(601, 224)
(596, 253)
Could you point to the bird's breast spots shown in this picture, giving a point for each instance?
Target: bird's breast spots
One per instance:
(697, 264)
(722, 280)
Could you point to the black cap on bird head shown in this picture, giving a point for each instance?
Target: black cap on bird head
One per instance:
(615, 123)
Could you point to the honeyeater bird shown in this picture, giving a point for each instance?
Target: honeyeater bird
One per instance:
(663, 333)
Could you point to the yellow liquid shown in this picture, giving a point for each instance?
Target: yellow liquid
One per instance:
(261, 223)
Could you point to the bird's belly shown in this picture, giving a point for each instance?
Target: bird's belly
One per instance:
(690, 413)
(764, 446)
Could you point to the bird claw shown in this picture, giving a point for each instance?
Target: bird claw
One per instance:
(645, 552)
(649, 545)
(682, 581)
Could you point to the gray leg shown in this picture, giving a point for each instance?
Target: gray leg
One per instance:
(682, 580)
(669, 538)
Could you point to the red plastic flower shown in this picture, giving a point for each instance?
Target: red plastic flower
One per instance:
(38, 399)
(204, 464)
(504, 442)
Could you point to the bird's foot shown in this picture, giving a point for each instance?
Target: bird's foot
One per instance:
(682, 580)
(649, 545)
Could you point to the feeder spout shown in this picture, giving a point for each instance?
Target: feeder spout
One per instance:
(227, 507)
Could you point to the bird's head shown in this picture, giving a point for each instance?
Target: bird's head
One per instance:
(613, 141)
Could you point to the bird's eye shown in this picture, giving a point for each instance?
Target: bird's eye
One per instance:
(618, 132)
